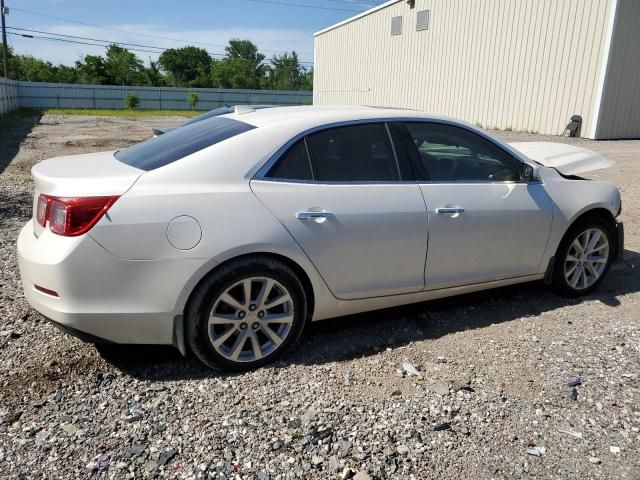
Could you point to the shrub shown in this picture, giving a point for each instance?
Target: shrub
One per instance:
(193, 99)
(132, 101)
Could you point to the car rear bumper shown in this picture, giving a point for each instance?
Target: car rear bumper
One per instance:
(99, 296)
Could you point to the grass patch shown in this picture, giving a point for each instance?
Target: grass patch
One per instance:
(121, 113)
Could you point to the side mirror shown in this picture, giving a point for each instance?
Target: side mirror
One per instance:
(527, 173)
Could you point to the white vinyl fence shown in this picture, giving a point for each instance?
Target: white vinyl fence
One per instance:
(9, 99)
(62, 95)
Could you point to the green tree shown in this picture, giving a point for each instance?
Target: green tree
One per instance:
(233, 73)
(92, 70)
(285, 72)
(186, 66)
(153, 75)
(122, 67)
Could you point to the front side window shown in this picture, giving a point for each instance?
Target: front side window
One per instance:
(181, 142)
(354, 153)
(447, 153)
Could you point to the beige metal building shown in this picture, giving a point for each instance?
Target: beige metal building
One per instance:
(510, 64)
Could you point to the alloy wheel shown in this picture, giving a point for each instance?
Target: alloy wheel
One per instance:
(586, 259)
(250, 319)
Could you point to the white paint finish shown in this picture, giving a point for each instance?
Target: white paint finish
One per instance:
(90, 174)
(502, 232)
(373, 244)
(184, 232)
(525, 65)
(567, 159)
(125, 282)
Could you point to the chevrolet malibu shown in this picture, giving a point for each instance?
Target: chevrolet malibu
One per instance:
(227, 236)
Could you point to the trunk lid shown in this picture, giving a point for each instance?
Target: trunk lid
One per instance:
(87, 175)
(567, 159)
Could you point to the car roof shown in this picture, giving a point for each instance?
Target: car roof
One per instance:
(309, 116)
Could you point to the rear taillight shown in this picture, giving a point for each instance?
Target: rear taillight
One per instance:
(71, 216)
(41, 209)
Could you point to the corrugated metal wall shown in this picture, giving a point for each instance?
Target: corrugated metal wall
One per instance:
(8, 95)
(620, 107)
(60, 95)
(519, 64)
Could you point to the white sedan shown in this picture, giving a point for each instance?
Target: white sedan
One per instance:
(227, 236)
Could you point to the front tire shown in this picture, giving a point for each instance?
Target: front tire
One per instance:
(583, 258)
(246, 314)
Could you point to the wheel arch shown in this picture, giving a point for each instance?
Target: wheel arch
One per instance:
(292, 264)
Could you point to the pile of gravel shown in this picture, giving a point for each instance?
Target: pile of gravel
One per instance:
(514, 383)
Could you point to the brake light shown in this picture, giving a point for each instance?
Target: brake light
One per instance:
(71, 216)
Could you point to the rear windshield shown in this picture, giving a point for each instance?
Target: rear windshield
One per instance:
(176, 144)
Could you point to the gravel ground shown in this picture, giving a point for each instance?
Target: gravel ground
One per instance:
(491, 399)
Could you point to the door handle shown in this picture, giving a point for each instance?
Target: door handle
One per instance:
(445, 210)
(313, 215)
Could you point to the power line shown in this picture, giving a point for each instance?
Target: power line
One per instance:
(106, 43)
(301, 5)
(137, 33)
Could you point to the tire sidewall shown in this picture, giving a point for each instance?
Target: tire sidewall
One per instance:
(214, 286)
(560, 281)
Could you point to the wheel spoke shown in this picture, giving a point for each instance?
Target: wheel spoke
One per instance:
(577, 246)
(273, 336)
(279, 301)
(584, 278)
(571, 258)
(571, 270)
(224, 337)
(598, 259)
(586, 237)
(573, 281)
(592, 270)
(246, 286)
(238, 345)
(593, 241)
(222, 319)
(265, 290)
(255, 344)
(232, 302)
(278, 318)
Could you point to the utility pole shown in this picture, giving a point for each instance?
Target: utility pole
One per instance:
(5, 47)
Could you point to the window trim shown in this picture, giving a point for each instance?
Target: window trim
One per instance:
(262, 172)
(406, 137)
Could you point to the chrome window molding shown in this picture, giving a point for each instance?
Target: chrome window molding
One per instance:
(264, 169)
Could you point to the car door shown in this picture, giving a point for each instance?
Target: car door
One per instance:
(484, 223)
(355, 211)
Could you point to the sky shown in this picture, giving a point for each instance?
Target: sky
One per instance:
(274, 25)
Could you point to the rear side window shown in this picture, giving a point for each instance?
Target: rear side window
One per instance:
(176, 144)
(356, 153)
(294, 165)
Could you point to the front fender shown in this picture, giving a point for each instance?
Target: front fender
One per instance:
(571, 199)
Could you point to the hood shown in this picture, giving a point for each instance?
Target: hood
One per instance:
(567, 159)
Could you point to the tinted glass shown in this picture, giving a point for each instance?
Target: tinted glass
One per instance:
(293, 165)
(450, 153)
(353, 153)
(211, 113)
(176, 144)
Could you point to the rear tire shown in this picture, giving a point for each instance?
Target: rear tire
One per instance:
(245, 314)
(583, 258)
